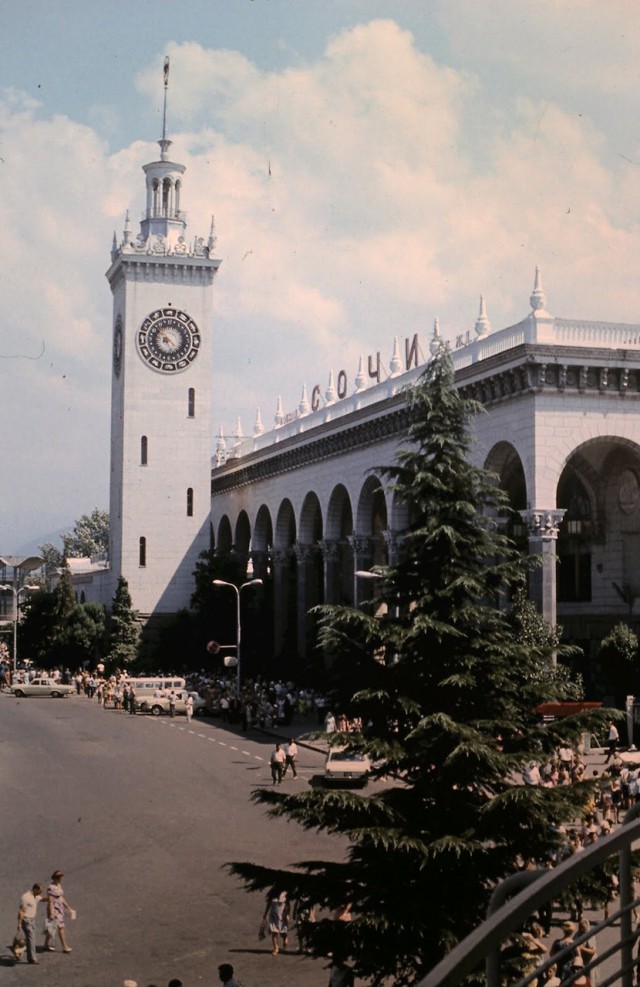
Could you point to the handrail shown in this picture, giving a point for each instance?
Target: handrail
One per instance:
(511, 916)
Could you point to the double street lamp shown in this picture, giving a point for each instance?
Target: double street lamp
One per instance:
(16, 593)
(238, 591)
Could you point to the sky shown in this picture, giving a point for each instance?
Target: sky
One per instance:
(371, 165)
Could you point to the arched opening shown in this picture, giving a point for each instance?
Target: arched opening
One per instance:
(189, 501)
(191, 403)
(144, 449)
(142, 552)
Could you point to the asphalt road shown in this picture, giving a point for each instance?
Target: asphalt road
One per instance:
(141, 814)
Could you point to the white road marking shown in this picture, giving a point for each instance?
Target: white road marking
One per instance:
(232, 748)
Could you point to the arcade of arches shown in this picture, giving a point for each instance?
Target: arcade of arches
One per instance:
(589, 541)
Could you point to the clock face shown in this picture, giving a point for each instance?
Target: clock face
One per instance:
(117, 347)
(168, 340)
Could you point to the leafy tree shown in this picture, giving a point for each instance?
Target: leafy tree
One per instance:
(618, 661)
(447, 693)
(536, 632)
(37, 629)
(81, 640)
(124, 632)
(90, 535)
(52, 557)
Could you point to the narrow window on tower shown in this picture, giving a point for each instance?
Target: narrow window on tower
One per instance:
(143, 450)
(142, 561)
(191, 404)
(190, 502)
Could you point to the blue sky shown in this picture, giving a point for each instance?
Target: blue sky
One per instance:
(371, 165)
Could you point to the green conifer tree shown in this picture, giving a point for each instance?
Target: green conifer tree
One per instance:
(448, 691)
(124, 631)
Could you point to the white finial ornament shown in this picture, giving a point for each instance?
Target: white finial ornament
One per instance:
(304, 407)
(396, 363)
(483, 326)
(238, 434)
(221, 448)
(361, 380)
(436, 341)
(279, 418)
(212, 235)
(538, 299)
(257, 425)
(126, 236)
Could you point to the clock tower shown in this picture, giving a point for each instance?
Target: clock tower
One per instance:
(161, 416)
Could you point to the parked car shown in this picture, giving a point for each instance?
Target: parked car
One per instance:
(346, 767)
(42, 687)
(157, 705)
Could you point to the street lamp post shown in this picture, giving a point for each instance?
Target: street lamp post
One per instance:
(251, 582)
(362, 574)
(16, 593)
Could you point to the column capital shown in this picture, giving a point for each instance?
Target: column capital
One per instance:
(543, 522)
(362, 545)
(330, 550)
(281, 556)
(305, 551)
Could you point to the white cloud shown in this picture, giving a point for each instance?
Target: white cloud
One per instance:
(356, 197)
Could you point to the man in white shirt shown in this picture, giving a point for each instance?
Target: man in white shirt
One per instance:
(27, 920)
(277, 763)
(290, 755)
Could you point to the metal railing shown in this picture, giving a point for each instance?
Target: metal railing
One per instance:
(519, 897)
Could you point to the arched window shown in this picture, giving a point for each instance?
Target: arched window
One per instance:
(190, 502)
(191, 403)
(143, 450)
(142, 560)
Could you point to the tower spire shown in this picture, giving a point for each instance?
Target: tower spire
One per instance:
(163, 142)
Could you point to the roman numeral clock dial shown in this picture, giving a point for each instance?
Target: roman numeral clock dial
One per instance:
(168, 340)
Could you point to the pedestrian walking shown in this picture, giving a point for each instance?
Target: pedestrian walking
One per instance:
(277, 761)
(132, 701)
(276, 917)
(172, 703)
(290, 755)
(27, 922)
(189, 707)
(56, 906)
(612, 741)
(227, 979)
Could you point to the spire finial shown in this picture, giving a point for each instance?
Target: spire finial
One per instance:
(163, 142)
(483, 326)
(538, 299)
(436, 342)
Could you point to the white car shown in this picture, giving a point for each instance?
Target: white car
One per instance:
(42, 687)
(157, 705)
(347, 767)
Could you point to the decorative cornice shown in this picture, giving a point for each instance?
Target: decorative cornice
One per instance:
(348, 438)
(524, 370)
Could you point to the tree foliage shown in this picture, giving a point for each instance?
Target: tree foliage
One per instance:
(90, 535)
(447, 692)
(123, 631)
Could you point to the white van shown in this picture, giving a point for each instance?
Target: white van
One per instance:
(147, 687)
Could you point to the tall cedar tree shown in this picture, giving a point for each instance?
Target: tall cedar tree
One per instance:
(123, 628)
(450, 709)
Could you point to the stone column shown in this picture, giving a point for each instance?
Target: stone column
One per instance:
(281, 596)
(393, 541)
(307, 556)
(542, 526)
(331, 560)
(260, 565)
(362, 546)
